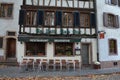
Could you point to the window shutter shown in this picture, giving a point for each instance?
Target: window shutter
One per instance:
(116, 21)
(59, 18)
(40, 17)
(114, 2)
(92, 20)
(21, 17)
(76, 19)
(105, 19)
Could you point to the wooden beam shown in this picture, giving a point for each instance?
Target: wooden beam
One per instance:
(61, 3)
(49, 2)
(43, 2)
(56, 3)
(73, 3)
(67, 3)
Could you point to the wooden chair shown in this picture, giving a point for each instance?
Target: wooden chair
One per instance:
(23, 64)
(38, 64)
(51, 64)
(44, 64)
(71, 64)
(30, 64)
(57, 64)
(77, 64)
(63, 64)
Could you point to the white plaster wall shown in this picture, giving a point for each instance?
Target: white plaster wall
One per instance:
(10, 24)
(110, 33)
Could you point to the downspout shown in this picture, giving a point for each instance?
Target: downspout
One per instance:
(95, 8)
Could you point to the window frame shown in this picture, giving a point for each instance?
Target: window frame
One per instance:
(39, 54)
(69, 14)
(115, 52)
(115, 20)
(49, 18)
(85, 18)
(112, 2)
(65, 51)
(34, 22)
(6, 16)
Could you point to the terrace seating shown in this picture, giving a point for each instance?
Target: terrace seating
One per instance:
(23, 64)
(30, 64)
(70, 64)
(57, 64)
(64, 64)
(77, 64)
(44, 64)
(51, 64)
(37, 64)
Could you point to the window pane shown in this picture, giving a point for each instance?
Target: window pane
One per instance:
(6, 10)
(1, 42)
(49, 18)
(84, 20)
(31, 18)
(35, 49)
(110, 20)
(112, 46)
(65, 49)
(67, 19)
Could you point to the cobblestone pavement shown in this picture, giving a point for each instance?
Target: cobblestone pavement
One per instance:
(14, 73)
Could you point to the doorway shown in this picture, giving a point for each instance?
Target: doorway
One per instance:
(85, 54)
(11, 48)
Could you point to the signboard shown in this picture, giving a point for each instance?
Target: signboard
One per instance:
(39, 39)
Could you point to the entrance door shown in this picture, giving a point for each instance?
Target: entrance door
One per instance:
(85, 54)
(11, 48)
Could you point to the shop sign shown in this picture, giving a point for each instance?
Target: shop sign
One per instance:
(38, 40)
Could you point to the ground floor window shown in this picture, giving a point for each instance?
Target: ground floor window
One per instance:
(64, 49)
(35, 49)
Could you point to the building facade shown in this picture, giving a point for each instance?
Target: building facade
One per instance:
(108, 15)
(45, 29)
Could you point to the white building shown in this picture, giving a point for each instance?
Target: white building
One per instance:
(57, 29)
(108, 15)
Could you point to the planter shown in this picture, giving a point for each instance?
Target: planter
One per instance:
(96, 66)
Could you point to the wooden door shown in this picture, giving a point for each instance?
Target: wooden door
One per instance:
(11, 48)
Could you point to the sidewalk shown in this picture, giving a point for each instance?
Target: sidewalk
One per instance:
(15, 72)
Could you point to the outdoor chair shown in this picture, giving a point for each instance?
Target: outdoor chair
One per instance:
(37, 64)
(64, 64)
(44, 64)
(58, 64)
(51, 64)
(23, 64)
(70, 65)
(77, 64)
(30, 64)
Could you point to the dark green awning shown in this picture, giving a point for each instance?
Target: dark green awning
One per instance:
(50, 39)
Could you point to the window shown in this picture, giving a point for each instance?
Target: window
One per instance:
(35, 49)
(112, 46)
(1, 42)
(31, 18)
(114, 2)
(63, 49)
(67, 19)
(110, 20)
(49, 19)
(84, 20)
(6, 10)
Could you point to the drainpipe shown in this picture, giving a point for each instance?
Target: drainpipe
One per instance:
(95, 7)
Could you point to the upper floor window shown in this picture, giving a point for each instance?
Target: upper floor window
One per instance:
(67, 19)
(111, 20)
(113, 2)
(1, 42)
(112, 46)
(6, 10)
(84, 20)
(49, 19)
(31, 18)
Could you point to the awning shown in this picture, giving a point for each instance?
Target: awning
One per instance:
(48, 39)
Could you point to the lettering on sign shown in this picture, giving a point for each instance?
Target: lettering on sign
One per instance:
(38, 40)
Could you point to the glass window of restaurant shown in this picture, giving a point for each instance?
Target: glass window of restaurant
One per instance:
(35, 49)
